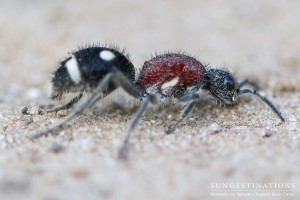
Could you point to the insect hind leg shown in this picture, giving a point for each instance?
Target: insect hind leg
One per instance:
(66, 106)
(96, 95)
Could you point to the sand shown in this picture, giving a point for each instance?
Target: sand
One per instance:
(216, 146)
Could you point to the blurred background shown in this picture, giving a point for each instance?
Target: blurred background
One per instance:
(253, 37)
(258, 39)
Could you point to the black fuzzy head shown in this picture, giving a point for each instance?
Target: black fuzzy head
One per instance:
(85, 68)
(222, 85)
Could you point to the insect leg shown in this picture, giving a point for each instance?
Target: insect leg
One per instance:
(193, 99)
(66, 106)
(97, 93)
(123, 150)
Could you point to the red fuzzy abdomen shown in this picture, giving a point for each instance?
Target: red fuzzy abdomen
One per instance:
(171, 70)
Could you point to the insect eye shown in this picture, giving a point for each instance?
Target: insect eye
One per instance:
(229, 83)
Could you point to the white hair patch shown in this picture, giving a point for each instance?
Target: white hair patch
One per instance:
(73, 69)
(107, 55)
(170, 83)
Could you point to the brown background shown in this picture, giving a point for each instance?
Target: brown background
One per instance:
(245, 143)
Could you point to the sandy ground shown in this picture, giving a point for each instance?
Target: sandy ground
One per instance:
(241, 144)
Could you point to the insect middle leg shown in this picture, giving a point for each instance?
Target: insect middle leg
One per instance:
(123, 150)
(193, 99)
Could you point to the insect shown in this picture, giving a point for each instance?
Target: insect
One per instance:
(100, 70)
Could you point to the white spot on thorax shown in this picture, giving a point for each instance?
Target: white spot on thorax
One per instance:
(171, 83)
(107, 55)
(73, 69)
